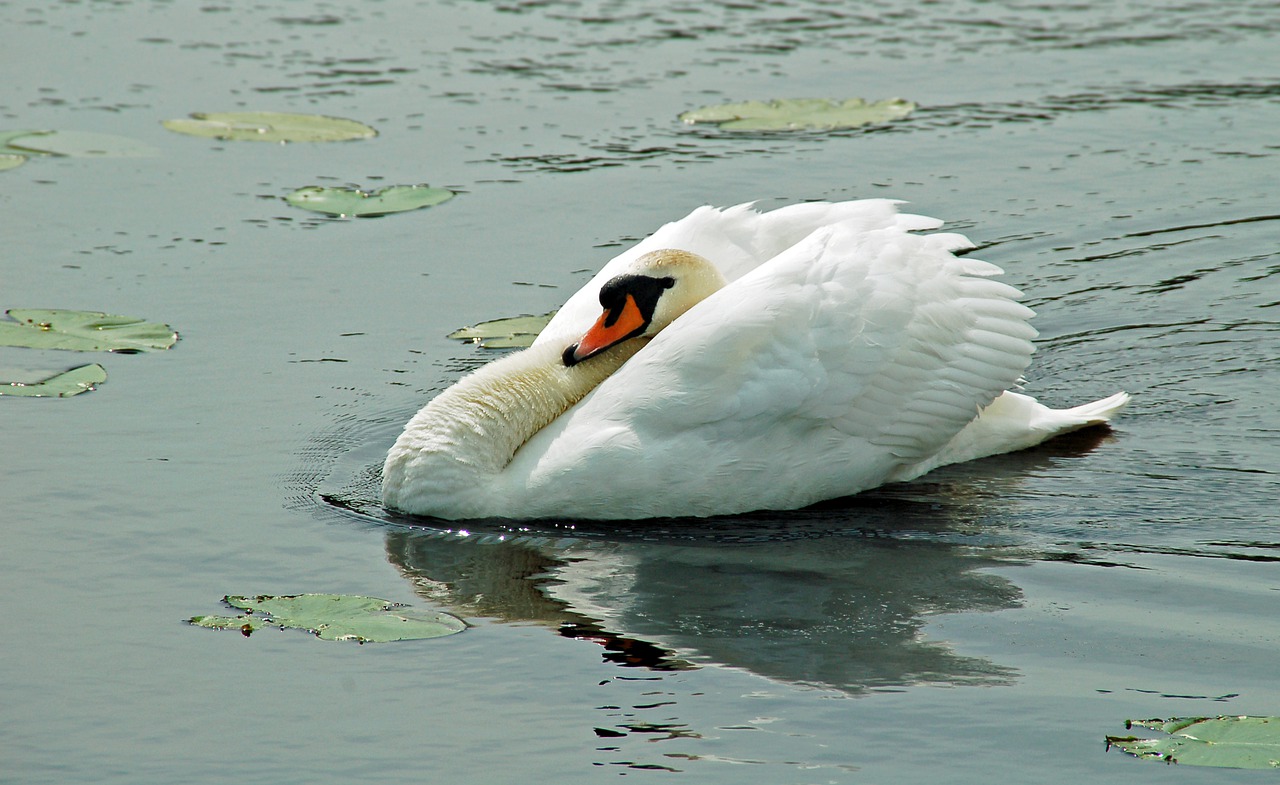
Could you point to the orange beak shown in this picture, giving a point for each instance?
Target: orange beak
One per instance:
(611, 328)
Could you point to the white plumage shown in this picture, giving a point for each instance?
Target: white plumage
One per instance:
(846, 350)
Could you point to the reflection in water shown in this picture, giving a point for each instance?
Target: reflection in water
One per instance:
(819, 603)
(836, 596)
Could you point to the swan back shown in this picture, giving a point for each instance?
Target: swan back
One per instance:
(736, 240)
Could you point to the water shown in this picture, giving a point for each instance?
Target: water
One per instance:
(991, 620)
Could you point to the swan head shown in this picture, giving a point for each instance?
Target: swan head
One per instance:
(656, 290)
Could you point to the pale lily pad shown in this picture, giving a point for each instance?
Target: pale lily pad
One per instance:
(1225, 742)
(336, 617)
(7, 136)
(513, 332)
(367, 204)
(63, 385)
(270, 127)
(83, 331)
(80, 144)
(11, 161)
(800, 114)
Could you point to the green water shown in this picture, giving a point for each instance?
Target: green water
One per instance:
(994, 620)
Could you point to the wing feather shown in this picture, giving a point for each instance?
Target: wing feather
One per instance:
(857, 349)
(737, 239)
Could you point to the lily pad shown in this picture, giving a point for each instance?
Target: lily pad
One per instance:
(11, 161)
(7, 136)
(367, 204)
(336, 617)
(84, 331)
(270, 127)
(63, 385)
(80, 144)
(800, 114)
(1226, 742)
(513, 332)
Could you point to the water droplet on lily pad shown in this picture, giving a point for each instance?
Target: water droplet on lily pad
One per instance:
(79, 144)
(62, 385)
(270, 127)
(367, 204)
(336, 617)
(513, 332)
(1227, 742)
(800, 114)
(83, 331)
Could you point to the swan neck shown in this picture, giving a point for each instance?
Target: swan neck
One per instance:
(479, 423)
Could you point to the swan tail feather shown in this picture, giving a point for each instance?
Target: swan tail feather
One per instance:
(1097, 412)
(1015, 422)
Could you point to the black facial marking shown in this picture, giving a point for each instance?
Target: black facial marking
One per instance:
(645, 289)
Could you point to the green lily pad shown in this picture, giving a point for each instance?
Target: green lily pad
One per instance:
(367, 204)
(800, 114)
(63, 385)
(1226, 742)
(513, 332)
(11, 161)
(336, 617)
(6, 136)
(80, 144)
(270, 127)
(83, 331)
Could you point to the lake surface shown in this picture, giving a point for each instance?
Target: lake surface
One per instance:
(993, 620)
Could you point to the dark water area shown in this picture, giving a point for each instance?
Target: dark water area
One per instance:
(995, 619)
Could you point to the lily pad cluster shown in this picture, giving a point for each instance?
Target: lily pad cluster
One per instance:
(1240, 742)
(78, 331)
(512, 332)
(335, 617)
(800, 114)
(284, 127)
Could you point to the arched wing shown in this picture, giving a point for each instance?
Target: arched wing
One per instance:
(736, 239)
(851, 353)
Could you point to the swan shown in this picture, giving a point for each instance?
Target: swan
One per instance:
(738, 360)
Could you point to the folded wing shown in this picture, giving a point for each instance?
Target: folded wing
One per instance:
(858, 348)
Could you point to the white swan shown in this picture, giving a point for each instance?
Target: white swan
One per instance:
(825, 349)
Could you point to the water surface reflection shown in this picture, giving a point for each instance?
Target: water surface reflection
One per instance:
(836, 596)
(842, 610)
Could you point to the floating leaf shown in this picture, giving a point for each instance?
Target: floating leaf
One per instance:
(514, 332)
(63, 385)
(270, 127)
(800, 114)
(1226, 742)
(336, 617)
(368, 204)
(80, 144)
(83, 331)
(7, 136)
(11, 158)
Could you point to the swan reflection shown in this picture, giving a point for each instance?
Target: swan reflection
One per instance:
(836, 598)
